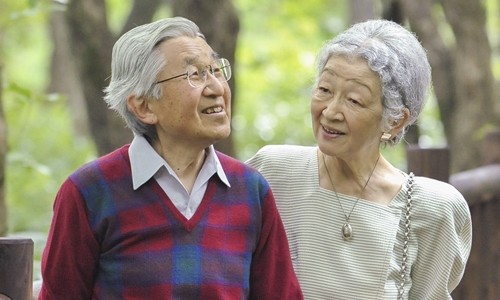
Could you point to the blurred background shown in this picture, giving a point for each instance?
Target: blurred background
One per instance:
(55, 61)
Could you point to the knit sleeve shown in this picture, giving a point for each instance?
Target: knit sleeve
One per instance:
(71, 253)
(444, 231)
(272, 275)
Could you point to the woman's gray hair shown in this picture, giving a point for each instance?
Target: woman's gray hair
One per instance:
(398, 58)
(135, 65)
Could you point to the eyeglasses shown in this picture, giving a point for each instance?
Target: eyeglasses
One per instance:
(197, 75)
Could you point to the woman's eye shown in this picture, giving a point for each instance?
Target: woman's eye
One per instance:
(322, 93)
(354, 101)
(320, 90)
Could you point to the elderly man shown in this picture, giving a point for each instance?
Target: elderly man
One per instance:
(168, 217)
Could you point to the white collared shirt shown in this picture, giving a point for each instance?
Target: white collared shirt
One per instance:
(146, 163)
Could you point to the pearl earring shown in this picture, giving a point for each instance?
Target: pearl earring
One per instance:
(385, 137)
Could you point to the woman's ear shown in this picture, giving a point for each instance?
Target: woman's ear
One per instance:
(399, 124)
(140, 107)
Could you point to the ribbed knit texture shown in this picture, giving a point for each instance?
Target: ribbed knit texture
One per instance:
(366, 267)
(108, 241)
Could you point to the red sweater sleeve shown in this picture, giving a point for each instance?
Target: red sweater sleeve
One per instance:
(71, 253)
(272, 275)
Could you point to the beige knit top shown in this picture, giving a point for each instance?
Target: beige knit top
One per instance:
(368, 265)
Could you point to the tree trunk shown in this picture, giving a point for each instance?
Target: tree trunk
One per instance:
(361, 10)
(3, 154)
(92, 42)
(63, 74)
(142, 12)
(462, 77)
(221, 31)
(474, 81)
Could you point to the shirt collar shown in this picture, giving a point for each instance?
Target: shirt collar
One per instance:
(145, 162)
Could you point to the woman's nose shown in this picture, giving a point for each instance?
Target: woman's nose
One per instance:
(333, 109)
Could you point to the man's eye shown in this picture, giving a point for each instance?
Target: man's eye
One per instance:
(204, 72)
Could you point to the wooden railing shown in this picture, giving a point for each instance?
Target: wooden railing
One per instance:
(16, 268)
(481, 189)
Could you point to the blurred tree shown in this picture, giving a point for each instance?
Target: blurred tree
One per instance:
(460, 57)
(361, 10)
(64, 80)
(3, 129)
(461, 66)
(82, 82)
(461, 69)
(91, 41)
(3, 153)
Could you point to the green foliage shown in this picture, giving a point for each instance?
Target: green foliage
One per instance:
(42, 152)
(275, 68)
(493, 15)
(118, 14)
(42, 148)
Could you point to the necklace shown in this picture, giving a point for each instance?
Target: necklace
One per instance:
(347, 228)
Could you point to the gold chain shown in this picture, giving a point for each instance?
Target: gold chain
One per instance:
(347, 228)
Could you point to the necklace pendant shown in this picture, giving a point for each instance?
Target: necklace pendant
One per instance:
(347, 232)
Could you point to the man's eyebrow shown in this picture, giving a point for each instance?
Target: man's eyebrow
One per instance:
(190, 60)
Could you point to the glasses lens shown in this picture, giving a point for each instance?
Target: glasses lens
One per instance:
(197, 75)
(222, 69)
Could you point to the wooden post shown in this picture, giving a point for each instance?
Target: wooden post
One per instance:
(429, 162)
(491, 148)
(481, 189)
(16, 268)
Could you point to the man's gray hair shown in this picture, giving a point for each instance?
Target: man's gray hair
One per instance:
(136, 63)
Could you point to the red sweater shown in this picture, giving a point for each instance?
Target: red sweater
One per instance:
(108, 241)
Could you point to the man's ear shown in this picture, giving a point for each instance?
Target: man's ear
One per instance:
(398, 125)
(140, 107)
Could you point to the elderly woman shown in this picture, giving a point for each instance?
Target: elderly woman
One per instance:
(358, 227)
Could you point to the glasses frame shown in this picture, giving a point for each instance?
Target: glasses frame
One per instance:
(224, 62)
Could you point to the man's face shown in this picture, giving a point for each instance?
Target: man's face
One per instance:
(194, 116)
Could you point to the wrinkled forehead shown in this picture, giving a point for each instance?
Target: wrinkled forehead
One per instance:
(186, 51)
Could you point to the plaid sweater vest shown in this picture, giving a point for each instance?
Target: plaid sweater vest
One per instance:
(148, 249)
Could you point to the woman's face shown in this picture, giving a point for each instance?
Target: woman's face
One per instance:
(346, 109)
